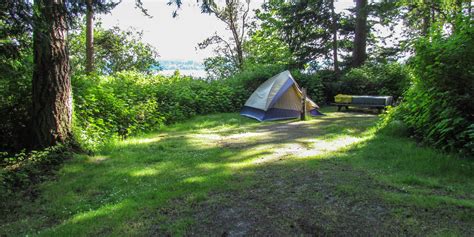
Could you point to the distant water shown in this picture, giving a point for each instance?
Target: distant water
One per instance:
(193, 73)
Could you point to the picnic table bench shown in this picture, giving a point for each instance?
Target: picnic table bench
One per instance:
(372, 102)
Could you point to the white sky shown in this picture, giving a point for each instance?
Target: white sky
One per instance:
(175, 38)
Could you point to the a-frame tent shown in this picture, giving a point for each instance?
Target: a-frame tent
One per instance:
(278, 98)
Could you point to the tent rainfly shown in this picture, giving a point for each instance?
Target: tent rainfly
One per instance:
(278, 98)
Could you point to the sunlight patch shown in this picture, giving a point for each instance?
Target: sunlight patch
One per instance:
(144, 172)
(208, 166)
(145, 140)
(247, 135)
(103, 211)
(209, 136)
(196, 179)
(97, 159)
(306, 148)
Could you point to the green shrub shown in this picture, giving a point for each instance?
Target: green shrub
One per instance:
(330, 84)
(127, 103)
(375, 79)
(15, 101)
(107, 107)
(438, 107)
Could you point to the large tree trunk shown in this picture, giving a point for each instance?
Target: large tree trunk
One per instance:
(89, 37)
(360, 39)
(52, 101)
(334, 37)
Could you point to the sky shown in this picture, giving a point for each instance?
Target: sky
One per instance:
(175, 38)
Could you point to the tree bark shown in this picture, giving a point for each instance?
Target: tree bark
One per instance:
(89, 37)
(359, 53)
(52, 101)
(334, 37)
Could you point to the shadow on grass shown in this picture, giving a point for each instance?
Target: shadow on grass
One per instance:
(202, 178)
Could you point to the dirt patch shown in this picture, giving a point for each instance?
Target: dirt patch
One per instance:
(305, 202)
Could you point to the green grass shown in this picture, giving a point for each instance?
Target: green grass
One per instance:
(175, 180)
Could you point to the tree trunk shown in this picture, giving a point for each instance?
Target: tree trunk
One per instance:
(238, 46)
(89, 38)
(334, 37)
(360, 39)
(469, 8)
(52, 101)
(234, 29)
(426, 21)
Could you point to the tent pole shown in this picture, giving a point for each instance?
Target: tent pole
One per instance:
(303, 105)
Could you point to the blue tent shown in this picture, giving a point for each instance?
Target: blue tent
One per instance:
(277, 98)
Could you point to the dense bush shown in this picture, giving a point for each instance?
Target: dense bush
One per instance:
(330, 85)
(15, 101)
(439, 107)
(129, 103)
(375, 79)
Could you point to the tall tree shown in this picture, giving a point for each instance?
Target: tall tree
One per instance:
(89, 37)
(234, 13)
(359, 54)
(334, 36)
(306, 27)
(52, 101)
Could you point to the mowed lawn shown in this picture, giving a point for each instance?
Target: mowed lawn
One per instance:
(229, 175)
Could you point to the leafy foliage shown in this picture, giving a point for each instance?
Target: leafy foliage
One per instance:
(302, 25)
(376, 79)
(115, 50)
(438, 106)
(15, 101)
(16, 65)
(219, 67)
(266, 48)
(129, 103)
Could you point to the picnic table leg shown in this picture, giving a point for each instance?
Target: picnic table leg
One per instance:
(339, 108)
(347, 107)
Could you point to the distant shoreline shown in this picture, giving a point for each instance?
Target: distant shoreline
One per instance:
(193, 73)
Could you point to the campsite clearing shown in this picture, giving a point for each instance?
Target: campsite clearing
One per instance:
(226, 174)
